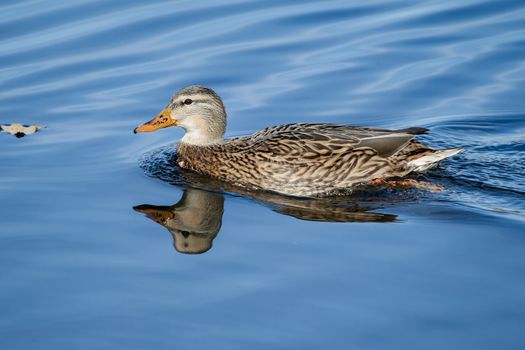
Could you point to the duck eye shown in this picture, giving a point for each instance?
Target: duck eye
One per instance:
(188, 101)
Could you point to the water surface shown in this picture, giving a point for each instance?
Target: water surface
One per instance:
(83, 267)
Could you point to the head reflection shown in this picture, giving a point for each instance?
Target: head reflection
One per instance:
(196, 219)
(193, 222)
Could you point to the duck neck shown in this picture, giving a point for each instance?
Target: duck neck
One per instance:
(204, 130)
(197, 138)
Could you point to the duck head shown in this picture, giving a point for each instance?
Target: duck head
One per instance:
(196, 109)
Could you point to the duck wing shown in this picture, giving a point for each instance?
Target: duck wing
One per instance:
(292, 143)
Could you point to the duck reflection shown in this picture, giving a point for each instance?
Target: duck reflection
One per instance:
(196, 219)
(193, 222)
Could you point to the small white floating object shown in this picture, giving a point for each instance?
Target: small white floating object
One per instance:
(20, 130)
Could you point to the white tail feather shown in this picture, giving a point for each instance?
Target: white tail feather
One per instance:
(431, 160)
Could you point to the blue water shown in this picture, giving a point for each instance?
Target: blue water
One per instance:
(84, 267)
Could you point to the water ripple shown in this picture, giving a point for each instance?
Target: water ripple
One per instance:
(82, 270)
(457, 68)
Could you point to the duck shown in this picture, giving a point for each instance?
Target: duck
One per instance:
(298, 159)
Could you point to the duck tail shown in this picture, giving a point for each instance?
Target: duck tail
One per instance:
(430, 160)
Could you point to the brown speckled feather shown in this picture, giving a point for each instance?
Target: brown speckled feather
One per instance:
(300, 159)
(293, 159)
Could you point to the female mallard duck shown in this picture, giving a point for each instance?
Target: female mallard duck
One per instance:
(292, 159)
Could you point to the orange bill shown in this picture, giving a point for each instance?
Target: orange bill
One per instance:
(163, 120)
